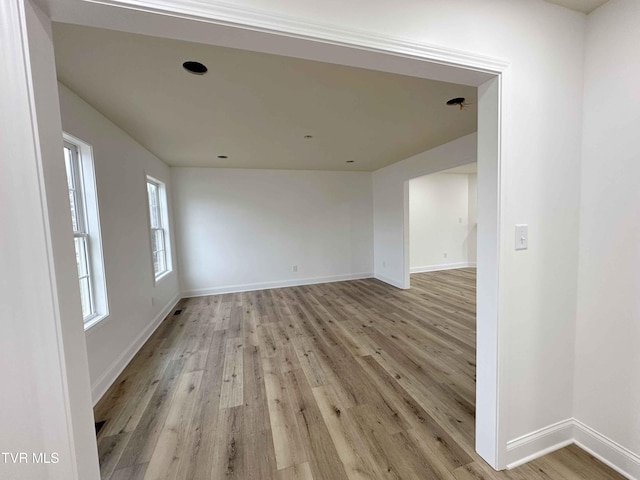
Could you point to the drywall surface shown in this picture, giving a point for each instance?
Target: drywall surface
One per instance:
(241, 229)
(438, 222)
(136, 304)
(607, 386)
(391, 194)
(472, 211)
(46, 407)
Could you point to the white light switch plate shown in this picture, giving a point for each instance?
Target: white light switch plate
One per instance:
(522, 237)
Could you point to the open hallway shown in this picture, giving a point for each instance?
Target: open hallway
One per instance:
(332, 381)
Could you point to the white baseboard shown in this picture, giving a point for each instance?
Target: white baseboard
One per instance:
(100, 387)
(536, 444)
(443, 266)
(249, 287)
(621, 459)
(388, 280)
(546, 440)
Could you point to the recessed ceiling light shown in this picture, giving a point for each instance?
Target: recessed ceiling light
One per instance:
(350, 161)
(222, 156)
(196, 68)
(308, 136)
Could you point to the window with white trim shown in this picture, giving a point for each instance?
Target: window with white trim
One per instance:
(86, 229)
(158, 220)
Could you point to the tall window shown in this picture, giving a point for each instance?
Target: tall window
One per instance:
(86, 230)
(159, 227)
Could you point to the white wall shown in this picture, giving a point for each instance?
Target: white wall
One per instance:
(240, 229)
(439, 222)
(607, 385)
(472, 208)
(46, 407)
(391, 194)
(136, 304)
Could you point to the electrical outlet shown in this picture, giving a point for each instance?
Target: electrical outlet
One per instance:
(384, 264)
(295, 268)
(445, 254)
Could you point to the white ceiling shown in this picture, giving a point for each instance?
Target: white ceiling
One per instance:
(254, 107)
(467, 169)
(585, 6)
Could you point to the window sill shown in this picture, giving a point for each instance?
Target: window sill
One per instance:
(93, 321)
(161, 277)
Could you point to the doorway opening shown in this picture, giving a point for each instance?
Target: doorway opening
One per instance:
(391, 243)
(443, 220)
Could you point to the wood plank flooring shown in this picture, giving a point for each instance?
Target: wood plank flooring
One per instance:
(348, 380)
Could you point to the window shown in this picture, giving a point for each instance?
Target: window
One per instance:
(156, 192)
(86, 229)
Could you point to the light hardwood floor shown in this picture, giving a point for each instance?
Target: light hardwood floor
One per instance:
(349, 380)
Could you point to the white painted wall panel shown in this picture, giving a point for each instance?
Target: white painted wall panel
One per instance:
(439, 221)
(135, 302)
(390, 185)
(607, 385)
(472, 239)
(45, 399)
(242, 229)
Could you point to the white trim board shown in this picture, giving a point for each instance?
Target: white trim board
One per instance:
(536, 444)
(572, 431)
(100, 387)
(388, 280)
(250, 287)
(443, 266)
(621, 459)
(479, 68)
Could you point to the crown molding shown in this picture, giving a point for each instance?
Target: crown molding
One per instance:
(222, 13)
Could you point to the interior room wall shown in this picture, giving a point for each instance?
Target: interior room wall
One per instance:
(136, 303)
(46, 404)
(472, 210)
(439, 222)
(607, 385)
(391, 185)
(246, 229)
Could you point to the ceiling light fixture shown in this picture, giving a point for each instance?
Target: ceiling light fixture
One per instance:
(196, 68)
(222, 156)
